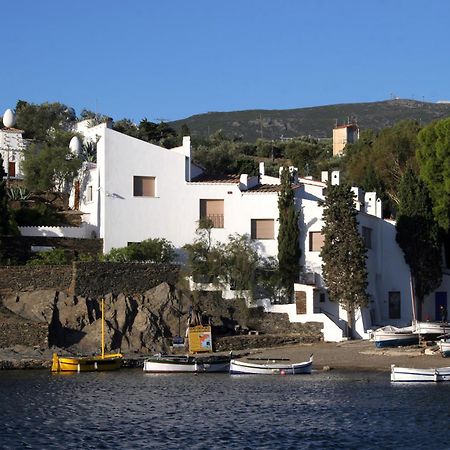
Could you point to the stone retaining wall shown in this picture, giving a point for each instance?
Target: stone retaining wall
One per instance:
(88, 279)
(95, 278)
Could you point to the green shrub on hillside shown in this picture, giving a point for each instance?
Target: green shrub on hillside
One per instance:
(150, 250)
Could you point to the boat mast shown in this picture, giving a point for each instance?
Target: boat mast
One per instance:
(103, 328)
(413, 300)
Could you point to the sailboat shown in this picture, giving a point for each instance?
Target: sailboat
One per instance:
(103, 362)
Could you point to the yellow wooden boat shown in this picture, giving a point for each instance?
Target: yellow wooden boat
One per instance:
(103, 362)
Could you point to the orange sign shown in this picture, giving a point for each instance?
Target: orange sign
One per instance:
(200, 339)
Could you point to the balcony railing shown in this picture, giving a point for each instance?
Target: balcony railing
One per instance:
(216, 220)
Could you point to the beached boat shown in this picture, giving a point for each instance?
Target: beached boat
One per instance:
(431, 328)
(390, 336)
(270, 367)
(444, 347)
(407, 374)
(103, 362)
(186, 364)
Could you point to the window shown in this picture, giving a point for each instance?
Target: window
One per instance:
(300, 302)
(12, 169)
(144, 186)
(89, 194)
(394, 305)
(316, 240)
(262, 228)
(367, 237)
(212, 210)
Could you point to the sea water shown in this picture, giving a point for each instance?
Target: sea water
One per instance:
(129, 409)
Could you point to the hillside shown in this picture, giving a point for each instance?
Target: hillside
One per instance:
(317, 121)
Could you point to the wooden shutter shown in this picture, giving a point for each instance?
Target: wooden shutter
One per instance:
(300, 302)
(316, 241)
(262, 229)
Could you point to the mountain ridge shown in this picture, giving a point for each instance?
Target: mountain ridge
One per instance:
(316, 121)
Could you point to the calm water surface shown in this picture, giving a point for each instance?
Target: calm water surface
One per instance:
(129, 409)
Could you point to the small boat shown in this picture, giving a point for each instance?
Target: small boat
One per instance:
(406, 374)
(270, 367)
(186, 364)
(444, 347)
(390, 336)
(431, 328)
(103, 362)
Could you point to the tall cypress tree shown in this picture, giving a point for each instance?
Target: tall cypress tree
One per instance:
(418, 237)
(343, 253)
(288, 236)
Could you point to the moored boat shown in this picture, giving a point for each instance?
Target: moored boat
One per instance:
(390, 336)
(270, 367)
(186, 364)
(444, 347)
(409, 374)
(103, 362)
(431, 328)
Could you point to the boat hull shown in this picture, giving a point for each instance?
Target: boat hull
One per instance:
(407, 374)
(431, 328)
(444, 348)
(395, 340)
(238, 367)
(175, 364)
(87, 363)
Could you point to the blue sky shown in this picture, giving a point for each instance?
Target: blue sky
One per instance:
(172, 59)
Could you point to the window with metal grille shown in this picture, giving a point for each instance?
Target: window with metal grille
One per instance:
(212, 209)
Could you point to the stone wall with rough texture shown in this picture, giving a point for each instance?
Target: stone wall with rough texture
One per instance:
(95, 279)
(19, 247)
(91, 279)
(34, 278)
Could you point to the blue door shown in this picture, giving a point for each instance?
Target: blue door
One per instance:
(440, 299)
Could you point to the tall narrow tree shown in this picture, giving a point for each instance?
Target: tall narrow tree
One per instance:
(343, 253)
(288, 236)
(418, 237)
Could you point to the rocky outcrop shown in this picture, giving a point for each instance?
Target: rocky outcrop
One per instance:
(141, 323)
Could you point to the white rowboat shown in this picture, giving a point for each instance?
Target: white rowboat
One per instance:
(444, 347)
(406, 374)
(186, 364)
(390, 336)
(270, 367)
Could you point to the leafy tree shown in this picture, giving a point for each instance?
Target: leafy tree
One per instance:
(50, 168)
(38, 120)
(95, 118)
(240, 261)
(220, 159)
(378, 161)
(150, 250)
(418, 237)
(343, 252)
(433, 156)
(205, 261)
(126, 126)
(288, 235)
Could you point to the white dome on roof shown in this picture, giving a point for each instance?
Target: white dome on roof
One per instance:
(9, 118)
(75, 146)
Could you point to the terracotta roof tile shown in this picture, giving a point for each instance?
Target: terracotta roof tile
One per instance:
(234, 179)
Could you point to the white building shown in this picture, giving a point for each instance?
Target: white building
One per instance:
(138, 190)
(12, 146)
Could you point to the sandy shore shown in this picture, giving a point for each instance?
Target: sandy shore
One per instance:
(351, 355)
(354, 355)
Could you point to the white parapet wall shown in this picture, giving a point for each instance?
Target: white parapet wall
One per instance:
(82, 232)
(331, 332)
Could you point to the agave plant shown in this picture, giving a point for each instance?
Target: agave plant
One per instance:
(18, 193)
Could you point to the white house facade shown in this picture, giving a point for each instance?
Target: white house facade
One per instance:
(138, 190)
